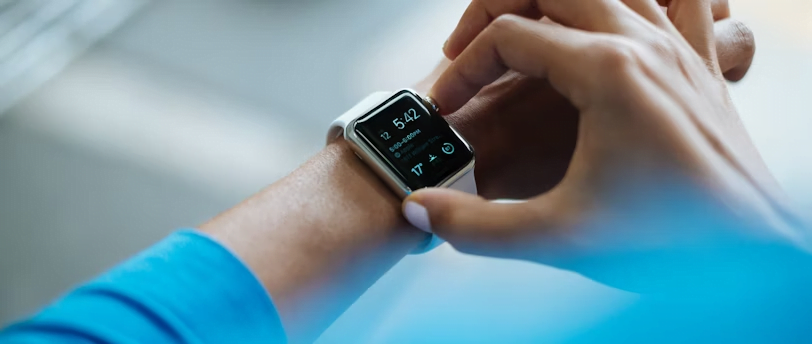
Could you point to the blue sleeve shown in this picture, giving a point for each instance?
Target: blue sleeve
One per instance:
(185, 289)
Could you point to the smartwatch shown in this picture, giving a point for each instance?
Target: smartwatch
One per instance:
(404, 140)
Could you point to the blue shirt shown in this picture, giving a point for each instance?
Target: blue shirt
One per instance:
(190, 289)
(185, 289)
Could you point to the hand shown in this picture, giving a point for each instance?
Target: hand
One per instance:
(653, 108)
(528, 152)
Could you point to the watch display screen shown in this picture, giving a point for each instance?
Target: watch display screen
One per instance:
(418, 145)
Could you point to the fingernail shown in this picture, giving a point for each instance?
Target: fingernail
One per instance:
(417, 215)
(445, 45)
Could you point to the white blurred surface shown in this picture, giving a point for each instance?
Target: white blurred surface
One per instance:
(195, 105)
(774, 99)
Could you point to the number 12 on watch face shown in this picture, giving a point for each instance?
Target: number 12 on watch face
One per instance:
(415, 150)
(409, 116)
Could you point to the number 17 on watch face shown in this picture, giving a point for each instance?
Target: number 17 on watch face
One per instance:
(417, 145)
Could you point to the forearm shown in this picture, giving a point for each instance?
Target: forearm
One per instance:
(322, 236)
(318, 238)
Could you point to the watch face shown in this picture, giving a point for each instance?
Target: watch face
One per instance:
(417, 145)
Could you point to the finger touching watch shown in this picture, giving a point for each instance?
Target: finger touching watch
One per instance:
(404, 140)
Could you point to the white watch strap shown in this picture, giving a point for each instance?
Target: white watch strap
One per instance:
(466, 183)
(337, 128)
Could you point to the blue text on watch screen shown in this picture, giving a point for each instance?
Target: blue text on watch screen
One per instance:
(419, 145)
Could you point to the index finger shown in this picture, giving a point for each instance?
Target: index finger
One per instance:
(478, 15)
(529, 47)
(720, 8)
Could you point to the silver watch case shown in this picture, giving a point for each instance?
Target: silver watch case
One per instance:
(376, 160)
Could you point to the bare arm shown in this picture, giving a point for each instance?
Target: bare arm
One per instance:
(318, 238)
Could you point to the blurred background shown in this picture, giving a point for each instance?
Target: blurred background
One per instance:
(123, 120)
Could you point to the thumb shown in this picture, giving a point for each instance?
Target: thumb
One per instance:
(473, 224)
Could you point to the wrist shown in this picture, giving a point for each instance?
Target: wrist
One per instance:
(319, 237)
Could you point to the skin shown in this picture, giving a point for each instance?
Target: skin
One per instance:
(320, 237)
(545, 123)
(653, 117)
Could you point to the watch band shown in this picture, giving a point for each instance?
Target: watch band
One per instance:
(466, 183)
(371, 101)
